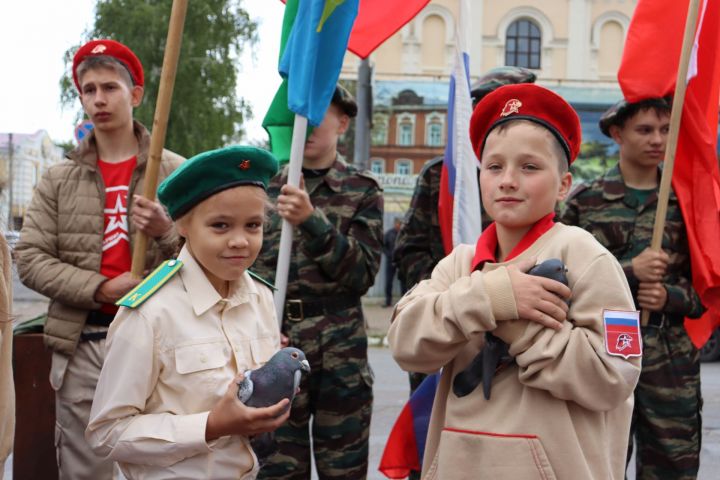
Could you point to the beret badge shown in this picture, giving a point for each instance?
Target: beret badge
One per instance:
(244, 165)
(511, 106)
(99, 49)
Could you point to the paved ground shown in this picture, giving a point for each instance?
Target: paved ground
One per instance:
(391, 388)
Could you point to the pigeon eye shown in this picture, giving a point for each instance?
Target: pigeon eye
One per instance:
(294, 355)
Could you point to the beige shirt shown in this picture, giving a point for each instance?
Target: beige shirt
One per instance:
(563, 409)
(168, 362)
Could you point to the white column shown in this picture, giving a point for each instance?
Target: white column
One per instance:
(477, 7)
(578, 50)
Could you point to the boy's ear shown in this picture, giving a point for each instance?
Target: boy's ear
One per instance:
(616, 134)
(136, 95)
(565, 185)
(344, 124)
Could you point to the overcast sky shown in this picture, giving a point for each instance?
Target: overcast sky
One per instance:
(34, 34)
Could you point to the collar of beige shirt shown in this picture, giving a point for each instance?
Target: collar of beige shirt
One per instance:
(203, 295)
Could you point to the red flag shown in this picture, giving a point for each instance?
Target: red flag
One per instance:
(649, 69)
(377, 20)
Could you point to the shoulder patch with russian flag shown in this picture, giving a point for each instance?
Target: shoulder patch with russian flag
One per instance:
(622, 333)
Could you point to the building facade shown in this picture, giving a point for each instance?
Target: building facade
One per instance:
(573, 46)
(23, 158)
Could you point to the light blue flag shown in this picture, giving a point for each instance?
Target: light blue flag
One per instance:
(314, 54)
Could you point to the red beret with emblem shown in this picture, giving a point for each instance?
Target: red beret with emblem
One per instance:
(530, 102)
(113, 49)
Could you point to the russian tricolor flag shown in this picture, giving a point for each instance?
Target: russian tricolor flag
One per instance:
(406, 443)
(459, 205)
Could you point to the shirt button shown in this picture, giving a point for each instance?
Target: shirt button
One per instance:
(203, 358)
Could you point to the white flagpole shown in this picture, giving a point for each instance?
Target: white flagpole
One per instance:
(286, 236)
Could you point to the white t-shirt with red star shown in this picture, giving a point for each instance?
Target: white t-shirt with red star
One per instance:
(116, 255)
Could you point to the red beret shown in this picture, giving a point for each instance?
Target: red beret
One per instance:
(114, 49)
(530, 102)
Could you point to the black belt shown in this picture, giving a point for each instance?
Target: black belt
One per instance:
(660, 320)
(92, 336)
(101, 319)
(296, 309)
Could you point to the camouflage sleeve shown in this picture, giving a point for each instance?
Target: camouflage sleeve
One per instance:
(570, 213)
(413, 253)
(682, 299)
(352, 259)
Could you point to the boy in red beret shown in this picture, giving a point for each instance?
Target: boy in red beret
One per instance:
(75, 243)
(561, 403)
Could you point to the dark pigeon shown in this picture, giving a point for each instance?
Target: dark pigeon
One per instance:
(482, 368)
(279, 378)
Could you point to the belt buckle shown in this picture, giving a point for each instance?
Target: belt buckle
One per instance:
(290, 315)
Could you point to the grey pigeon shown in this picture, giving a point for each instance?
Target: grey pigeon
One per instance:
(482, 368)
(279, 378)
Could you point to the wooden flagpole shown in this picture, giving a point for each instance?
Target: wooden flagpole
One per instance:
(675, 118)
(159, 127)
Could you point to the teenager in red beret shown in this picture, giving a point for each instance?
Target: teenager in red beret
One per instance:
(561, 401)
(75, 242)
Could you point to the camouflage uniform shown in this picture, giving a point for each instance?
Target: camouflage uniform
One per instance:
(666, 419)
(335, 256)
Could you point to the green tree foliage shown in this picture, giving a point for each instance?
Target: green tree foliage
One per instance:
(206, 113)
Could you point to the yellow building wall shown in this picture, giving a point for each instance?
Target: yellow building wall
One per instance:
(556, 11)
(626, 7)
(611, 47)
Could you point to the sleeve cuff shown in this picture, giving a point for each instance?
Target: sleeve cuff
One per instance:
(317, 224)
(499, 289)
(191, 431)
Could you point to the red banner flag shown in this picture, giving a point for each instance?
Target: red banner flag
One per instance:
(378, 20)
(649, 69)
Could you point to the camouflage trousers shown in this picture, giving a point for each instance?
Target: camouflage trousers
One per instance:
(667, 424)
(334, 405)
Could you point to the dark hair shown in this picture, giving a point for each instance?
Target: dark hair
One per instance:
(344, 101)
(661, 106)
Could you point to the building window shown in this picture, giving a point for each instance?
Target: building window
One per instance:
(379, 129)
(522, 44)
(377, 166)
(406, 131)
(434, 131)
(403, 167)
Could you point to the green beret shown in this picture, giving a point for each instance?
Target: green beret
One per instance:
(211, 172)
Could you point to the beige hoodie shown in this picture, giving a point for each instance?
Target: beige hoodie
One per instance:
(563, 410)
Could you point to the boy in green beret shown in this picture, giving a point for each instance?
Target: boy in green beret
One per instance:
(166, 403)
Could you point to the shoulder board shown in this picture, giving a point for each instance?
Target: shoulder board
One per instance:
(578, 189)
(371, 176)
(152, 283)
(261, 280)
(431, 163)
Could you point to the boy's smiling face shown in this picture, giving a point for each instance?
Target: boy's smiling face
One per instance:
(225, 232)
(520, 177)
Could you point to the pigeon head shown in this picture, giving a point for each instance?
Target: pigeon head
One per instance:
(290, 358)
(552, 268)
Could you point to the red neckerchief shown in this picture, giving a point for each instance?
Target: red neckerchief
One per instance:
(487, 243)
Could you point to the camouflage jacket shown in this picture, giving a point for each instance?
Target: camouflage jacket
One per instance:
(418, 246)
(337, 250)
(625, 228)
